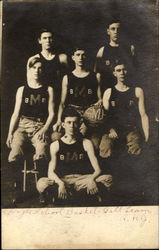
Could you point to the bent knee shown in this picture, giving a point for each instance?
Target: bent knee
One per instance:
(15, 155)
(42, 184)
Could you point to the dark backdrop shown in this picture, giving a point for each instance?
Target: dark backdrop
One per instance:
(74, 22)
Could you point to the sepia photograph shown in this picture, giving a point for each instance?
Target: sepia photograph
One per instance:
(79, 119)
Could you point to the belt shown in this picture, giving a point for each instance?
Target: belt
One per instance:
(33, 118)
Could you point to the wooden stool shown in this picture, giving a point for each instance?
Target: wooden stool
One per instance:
(29, 171)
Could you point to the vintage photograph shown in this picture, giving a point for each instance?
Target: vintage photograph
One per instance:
(80, 109)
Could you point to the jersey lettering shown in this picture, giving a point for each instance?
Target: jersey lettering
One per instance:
(90, 91)
(34, 99)
(43, 100)
(26, 100)
(62, 157)
(71, 156)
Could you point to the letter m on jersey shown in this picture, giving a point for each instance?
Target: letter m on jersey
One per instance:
(35, 99)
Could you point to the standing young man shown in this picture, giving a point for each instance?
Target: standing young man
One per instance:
(112, 52)
(54, 65)
(80, 88)
(73, 166)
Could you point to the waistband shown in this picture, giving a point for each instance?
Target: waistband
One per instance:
(32, 118)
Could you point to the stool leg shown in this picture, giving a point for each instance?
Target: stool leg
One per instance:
(24, 177)
(36, 176)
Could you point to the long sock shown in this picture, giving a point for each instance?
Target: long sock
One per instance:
(42, 167)
(17, 178)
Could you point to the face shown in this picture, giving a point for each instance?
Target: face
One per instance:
(35, 71)
(79, 57)
(71, 125)
(120, 72)
(46, 40)
(114, 31)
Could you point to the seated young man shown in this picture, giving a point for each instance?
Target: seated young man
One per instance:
(124, 105)
(30, 121)
(127, 129)
(73, 167)
(80, 89)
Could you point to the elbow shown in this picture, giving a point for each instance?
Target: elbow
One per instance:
(15, 116)
(144, 116)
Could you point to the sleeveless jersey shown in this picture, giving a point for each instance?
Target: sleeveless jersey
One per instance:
(72, 159)
(82, 91)
(50, 70)
(35, 102)
(123, 108)
(112, 55)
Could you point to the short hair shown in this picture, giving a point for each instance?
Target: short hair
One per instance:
(113, 20)
(70, 112)
(43, 30)
(75, 48)
(118, 62)
(33, 61)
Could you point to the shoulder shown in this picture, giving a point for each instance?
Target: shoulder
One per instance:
(50, 89)
(63, 58)
(20, 90)
(54, 147)
(65, 79)
(32, 57)
(100, 52)
(87, 144)
(107, 93)
(139, 92)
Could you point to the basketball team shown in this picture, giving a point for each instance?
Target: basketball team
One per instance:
(78, 121)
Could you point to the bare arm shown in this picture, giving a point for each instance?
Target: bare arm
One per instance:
(62, 103)
(91, 184)
(54, 148)
(98, 59)
(144, 118)
(41, 132)
(88, 147)
(99, 94)
(106, 97)
(50, 108)
(15, 115)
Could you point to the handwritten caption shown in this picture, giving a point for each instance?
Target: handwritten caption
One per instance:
(126, 214)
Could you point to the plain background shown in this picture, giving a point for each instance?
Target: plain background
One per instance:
(75, 22)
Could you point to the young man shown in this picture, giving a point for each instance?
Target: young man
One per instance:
(32, 116)
(54, 65)
(80, 88)
(112, 52)
(73, 166)
(124, 105)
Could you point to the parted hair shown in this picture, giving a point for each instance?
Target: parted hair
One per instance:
(70, 112)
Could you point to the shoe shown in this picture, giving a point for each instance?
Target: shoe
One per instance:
(42, 199)
(18, 197)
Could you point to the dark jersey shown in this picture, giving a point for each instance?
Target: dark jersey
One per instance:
(51, 70)
(82, 91)
(35, 102)
(110, 56)
(72, 159)
(123, 108)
